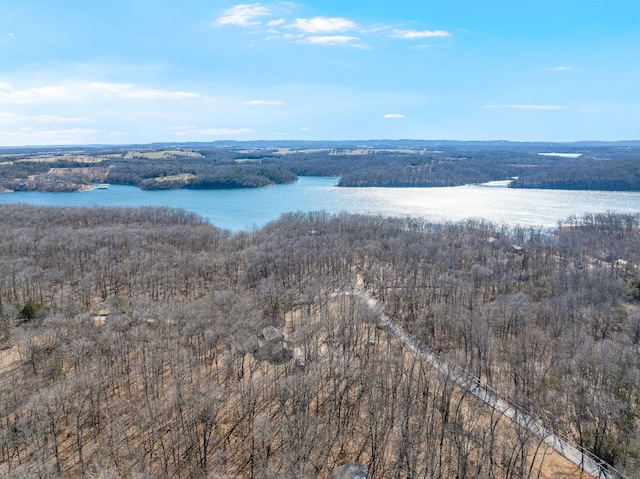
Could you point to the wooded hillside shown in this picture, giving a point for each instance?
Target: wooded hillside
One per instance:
(129, 341)
(611, 167)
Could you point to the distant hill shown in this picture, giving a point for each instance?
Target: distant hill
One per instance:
(612, 166)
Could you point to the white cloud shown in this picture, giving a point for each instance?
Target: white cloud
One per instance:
(159, 94)
(305, 129)
(14, 119)
(529, 107)
(243, 15)
(11, 119)
(28, 136)
(61, 119)
(290, 37)
(394, 116)
(319, 30)
(214, 131)
(182, 127)
(557, 69)
(4, 86)
(413, 34)
(225, 131)
(112, 87)
(127, 90)
(323, 24)
(264, 102)
(37, 95)
(330, 39)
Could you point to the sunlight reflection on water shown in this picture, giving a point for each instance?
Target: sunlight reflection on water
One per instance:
(242, 209)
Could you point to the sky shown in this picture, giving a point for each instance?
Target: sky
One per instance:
(142, 71)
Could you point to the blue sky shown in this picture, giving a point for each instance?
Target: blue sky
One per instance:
(140, 71)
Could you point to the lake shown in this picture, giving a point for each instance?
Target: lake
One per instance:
(241, 209)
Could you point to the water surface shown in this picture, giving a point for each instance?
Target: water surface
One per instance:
(240, 209)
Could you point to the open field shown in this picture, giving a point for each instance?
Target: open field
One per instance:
(358, 164)
(162, 154)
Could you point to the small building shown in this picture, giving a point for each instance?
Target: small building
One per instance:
(351, 471)
(273, 346)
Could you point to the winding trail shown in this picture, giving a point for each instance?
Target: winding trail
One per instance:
(590, 464)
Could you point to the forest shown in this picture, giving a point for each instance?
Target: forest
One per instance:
(609, 167)
(132, 344)
(147, 170)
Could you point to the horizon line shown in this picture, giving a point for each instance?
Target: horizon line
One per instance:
(280, 141)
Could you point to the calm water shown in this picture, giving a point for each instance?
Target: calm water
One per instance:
(242, 209)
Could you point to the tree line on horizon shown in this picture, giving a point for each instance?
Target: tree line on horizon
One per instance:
(611, 168)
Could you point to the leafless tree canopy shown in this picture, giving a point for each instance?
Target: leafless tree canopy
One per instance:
(127, 340)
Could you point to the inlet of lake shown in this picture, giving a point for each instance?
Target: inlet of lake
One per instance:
(243, 209)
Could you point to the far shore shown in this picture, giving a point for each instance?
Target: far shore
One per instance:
(81, 189)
